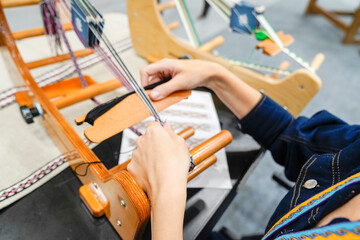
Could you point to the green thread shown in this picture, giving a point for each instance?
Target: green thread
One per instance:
(192, 23)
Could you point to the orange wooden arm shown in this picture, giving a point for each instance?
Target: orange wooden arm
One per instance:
(113, 121)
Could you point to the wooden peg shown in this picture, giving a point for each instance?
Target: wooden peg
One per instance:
(283, 66)
(166, 5)
(173, 25)
(201, 167)
(187, 132)
(80, 120)
(23, 99)
(317, 61)
(270, 48)
(212, 44)
(152, 59)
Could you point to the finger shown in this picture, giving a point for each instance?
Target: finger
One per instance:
(168, 125)
(153, 127)
(167, 88)
(153, 69)
(169, 129)
(138, 141)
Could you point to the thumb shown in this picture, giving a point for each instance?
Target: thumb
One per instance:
(165, 89)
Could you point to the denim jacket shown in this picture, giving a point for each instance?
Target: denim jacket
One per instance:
(317, 153)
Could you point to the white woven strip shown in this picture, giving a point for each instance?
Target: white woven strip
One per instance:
(36, 176)
(258, 67)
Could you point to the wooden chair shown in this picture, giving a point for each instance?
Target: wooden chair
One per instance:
(350, 30)
(110, 192)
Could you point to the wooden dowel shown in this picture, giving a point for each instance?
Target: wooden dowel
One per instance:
(18, 3)
(283, 66)
(186, 133)
(317, 61)
(152, 59)
(36, 32)
(211, 45)
(173, 25)
(23, 99)
(59, 58)
(201, 167)
(211, 146)
(166, 5)
(86, 93)
(344, 13)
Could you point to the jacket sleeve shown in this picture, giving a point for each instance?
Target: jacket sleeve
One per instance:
(293, 141)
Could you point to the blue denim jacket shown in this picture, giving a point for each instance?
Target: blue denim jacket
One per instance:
(316, 152)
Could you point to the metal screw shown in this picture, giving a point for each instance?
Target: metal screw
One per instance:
(95, 185)
(301, 86)
(135, 14)
(118, 223)
(262, 90)
(139, 39)
(122, 202)
(286, 108)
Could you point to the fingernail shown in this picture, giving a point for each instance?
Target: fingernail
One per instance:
(155, 94)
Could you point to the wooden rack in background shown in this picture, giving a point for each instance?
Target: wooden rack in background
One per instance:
(350, 30)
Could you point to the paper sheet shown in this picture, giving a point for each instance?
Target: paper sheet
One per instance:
(198, 111)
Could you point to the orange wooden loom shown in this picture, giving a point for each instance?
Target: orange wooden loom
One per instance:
(112, 192)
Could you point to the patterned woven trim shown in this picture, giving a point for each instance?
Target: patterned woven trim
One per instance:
(33, 178)
(347, 230)
(37, 175)
(310, 204)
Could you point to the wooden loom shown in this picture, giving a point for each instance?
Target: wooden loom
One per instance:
(111, 192)
(153, 40)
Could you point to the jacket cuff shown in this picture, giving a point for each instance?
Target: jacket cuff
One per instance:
(266, 121)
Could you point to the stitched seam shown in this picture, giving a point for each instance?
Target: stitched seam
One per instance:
(312, 212)
(338, 166)
(300, 186)
(297, 180)
(326, 147)
(317, 210)
(307, 143)
(314, 147)
(332, 167)
(259, 105)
